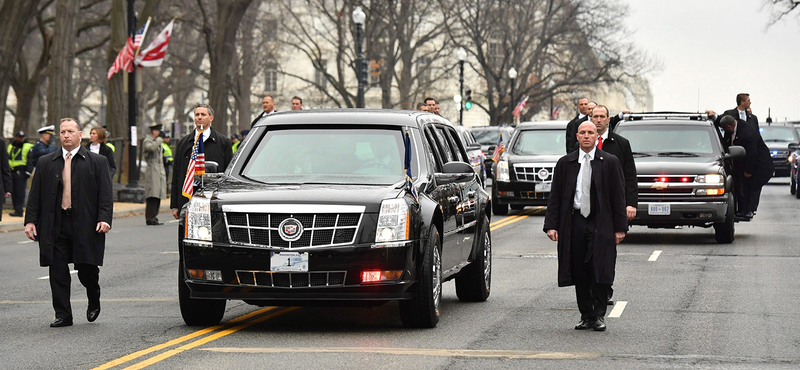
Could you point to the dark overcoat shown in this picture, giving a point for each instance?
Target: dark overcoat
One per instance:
(107, 152)
(620, 147)
(572, 130)
(752, 119)
(217, 149)
(757, 160)
(608, 205)
(92, 202)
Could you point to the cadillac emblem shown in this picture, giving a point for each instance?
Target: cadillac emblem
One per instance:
(290, 229)
(543, 174)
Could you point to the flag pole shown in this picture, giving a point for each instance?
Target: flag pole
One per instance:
(146, 27)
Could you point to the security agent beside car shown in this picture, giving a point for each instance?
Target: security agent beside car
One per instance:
(17, 151)
(586, 216)
(751, 172)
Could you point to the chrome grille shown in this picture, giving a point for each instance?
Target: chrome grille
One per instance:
(531, 172)
(291, 279)
(319, 229)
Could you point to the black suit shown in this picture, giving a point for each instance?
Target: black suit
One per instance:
(751, 120)
(262, 115)
(217, 148)
(572, 131)
(587, 249)
(71, 237)
(757, 162)
(620, 147)
(107, 152)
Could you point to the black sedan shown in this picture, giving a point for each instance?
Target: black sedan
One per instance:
(338, 207)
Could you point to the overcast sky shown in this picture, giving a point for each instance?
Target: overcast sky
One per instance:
(719, 48)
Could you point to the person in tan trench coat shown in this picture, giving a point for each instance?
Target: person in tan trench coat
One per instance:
(155, 186)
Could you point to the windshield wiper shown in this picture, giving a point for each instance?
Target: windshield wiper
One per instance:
(641, 154)
(677, 154)
(779, 140)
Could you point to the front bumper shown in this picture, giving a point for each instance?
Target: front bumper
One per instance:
(334, 274)
(519, 192)
(683, 213)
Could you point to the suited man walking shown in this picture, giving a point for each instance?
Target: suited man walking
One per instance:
(217, 148)
(586, 216)
(572, 126)
(753, 171)
(70, 207)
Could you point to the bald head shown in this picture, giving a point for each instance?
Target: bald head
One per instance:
(587, 135)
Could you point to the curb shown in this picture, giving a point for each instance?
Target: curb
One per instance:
(9, 226)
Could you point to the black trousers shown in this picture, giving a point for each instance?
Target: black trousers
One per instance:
(151, 209)
(18, 184)
(60, 279)
(592, 297)
(753, 194)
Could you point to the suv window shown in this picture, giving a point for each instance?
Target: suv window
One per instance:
(454, 144)
(539, 142)
(667, 140)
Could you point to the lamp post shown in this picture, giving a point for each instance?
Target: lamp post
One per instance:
(512, 74)
(550, 87)
(358, 18)
(462, 56)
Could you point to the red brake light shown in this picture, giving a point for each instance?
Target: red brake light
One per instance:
(370, 276)
(663, 179)
(685, 179)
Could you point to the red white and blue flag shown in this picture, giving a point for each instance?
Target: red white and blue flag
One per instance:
(197, 166)
(124, 60)
(499, 149)
(154, 54)
(519, 107)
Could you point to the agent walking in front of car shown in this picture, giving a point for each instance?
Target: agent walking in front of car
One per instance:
(754, 170)
(586, 216)
(217, 149)
(70, 208)
(572, 126)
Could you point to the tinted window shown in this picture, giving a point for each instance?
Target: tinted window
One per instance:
(455, 144)
(446, 150)
(773, 133)
(539, 142)
(430, 137)
(664, 139)
(488, 137)
(328, 156)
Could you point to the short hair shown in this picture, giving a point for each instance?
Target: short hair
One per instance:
(727, 121)
(740, 97)
(421, 105)
(269, 96)
(581, 98)
(71, 119)
(429, 98)
(206, 106)
(101, 134)
(298, 98)
(601, 106)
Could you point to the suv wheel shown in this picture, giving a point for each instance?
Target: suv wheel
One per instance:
(198, 312)
(723, 231)
(422, 311)
(497, 208)
(474, 282)
(792, 185)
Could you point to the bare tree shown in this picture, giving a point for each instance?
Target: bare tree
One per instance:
(15, 16)
(780, 9)
(59, 86)
(30, 73)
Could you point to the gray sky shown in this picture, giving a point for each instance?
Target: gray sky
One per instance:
(719, 48)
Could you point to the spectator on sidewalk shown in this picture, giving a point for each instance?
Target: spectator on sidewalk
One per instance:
(18, 152)
(155, 186)
(98, 143)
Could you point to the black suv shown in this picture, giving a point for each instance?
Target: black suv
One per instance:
(778, 136)
(684, 172)
(316, 209)
(488, 136)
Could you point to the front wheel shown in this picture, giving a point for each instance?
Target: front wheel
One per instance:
(198, 312)
(422, 311)
(723, 231)
(474, 282)
(499, 209)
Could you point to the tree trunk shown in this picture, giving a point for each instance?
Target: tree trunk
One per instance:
(59, 84)
(3, 100)
(14, 19)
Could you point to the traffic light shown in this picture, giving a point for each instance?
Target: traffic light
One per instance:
(468, 99)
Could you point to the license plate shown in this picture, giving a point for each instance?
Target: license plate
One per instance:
(543, 187)
(289, 261)
(658, 210)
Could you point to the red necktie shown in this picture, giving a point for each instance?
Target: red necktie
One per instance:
(600, 142)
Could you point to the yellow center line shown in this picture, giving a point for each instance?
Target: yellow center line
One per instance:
(207, 339)
(523, 214)
(511, 219)
(184, 338)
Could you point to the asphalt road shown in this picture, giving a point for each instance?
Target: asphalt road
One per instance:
(683, 301)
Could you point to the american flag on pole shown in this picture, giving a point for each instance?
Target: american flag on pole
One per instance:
(407, 167)
(518, 108)
(154, 54)
(124, 60)
(499, 149)
(197, 166)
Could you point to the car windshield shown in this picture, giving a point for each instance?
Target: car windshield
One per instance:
(670, 141)
(540, 142)
(490, 137)
(328, 156)
(773, 133)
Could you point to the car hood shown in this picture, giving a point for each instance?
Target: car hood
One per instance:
(232, 191)
(514, 158)
(677, 166)
(778, 144)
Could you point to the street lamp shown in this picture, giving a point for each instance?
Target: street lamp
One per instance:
(462, 56)
(358, 18)
(512, 74)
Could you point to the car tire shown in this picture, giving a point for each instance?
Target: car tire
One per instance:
(422, 311)
(517, 207)
(474, 282)
(499, 209)
(198, 312)
(792, 185)
(724, 231)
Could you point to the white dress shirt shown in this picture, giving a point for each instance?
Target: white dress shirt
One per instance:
(576, 202)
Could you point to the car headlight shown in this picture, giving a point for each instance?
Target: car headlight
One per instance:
(502, 171)
(709, 179)
(198, 219)
(392, 221)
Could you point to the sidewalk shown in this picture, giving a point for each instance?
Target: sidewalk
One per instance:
(120, 210)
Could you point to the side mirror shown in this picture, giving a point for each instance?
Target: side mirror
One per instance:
(794, 146)
(475, 146)
(456, 167)
(735, 151)
(212, 167)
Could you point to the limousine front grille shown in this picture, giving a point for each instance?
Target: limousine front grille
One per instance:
(291, 279)
(318, 229)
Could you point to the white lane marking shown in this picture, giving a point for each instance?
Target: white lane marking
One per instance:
(170, 252)
(48, 277)
(654, 256)
(618, 308)
(173, 221)
(25, 242)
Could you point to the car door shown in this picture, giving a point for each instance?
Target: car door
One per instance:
(469, 187)
(448, 195)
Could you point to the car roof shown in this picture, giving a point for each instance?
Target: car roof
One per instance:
(666, 122)
(491, 128)
(530, 125)
(352, 116)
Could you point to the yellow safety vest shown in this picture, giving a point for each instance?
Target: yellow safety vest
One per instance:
(18, 156)
(235, 146)
(113, 149)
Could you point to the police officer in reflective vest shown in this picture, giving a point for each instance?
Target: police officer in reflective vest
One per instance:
(18, 159)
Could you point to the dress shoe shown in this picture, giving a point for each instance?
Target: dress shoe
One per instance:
(61, 321)
(599, 324)
(92, 313)
(15, 214)
(610, 302)
(154, 223)
(584, 324)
